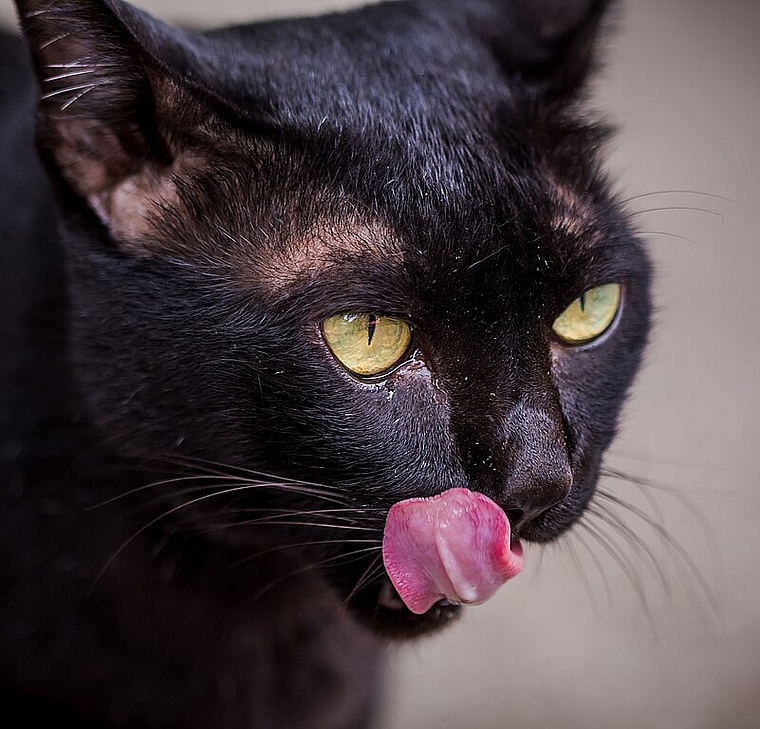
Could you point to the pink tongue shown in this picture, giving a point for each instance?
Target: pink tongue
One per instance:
(455, 545)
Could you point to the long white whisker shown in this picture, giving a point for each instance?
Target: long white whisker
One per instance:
(153, 484)
(660, 193)
(284, 522)
(214, 467)
(80, 71)
(674, 544)
(374, 571)
(165, 514)
(637, 542)
(669, 208)
(347, 556)
(312, 543)
(667, 234)
(579, 566)
(55, 39)
(646, 486)
(343, 513)
(620, 559)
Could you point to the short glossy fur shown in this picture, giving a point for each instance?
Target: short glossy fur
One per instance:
(194, 490)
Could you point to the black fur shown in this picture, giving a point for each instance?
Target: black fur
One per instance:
(177, 442)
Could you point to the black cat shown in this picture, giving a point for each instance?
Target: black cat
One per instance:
(305, 325)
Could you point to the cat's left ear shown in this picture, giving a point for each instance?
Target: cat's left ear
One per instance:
(115, 116)
(550, 45)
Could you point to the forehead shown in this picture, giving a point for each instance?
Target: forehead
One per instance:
(350, 64)
(304, 208)
(324, 249)
(389, 80)
(446, 259)
(443, 162)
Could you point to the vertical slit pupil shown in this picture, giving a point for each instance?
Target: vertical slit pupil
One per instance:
(582, 299)
(371, 324)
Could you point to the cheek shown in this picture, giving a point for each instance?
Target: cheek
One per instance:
(592, 383)
(393, 436)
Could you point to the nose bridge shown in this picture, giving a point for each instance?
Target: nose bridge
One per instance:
(510, 432)
(537, 468)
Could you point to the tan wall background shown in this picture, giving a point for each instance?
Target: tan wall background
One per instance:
(577, 642)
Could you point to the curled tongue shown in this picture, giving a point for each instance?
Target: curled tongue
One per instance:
(455, 546)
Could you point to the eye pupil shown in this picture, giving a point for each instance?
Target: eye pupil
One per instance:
(582, 300)
(371, 324)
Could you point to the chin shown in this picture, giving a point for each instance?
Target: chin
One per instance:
(379, 608)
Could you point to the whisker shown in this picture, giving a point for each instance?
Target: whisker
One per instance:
(153, 484)
(340, 513)
(79, 96)
(215, 482)
(374, 570)
(645, 486)
(283, 521)
(683, 556)
(65, 90)
(347, 557)
(81, 63)
(667, 234)
(620, 558)
(691, 208)
(38, 12)
(582, 573)
(81, 71)
(311, 543)
(636, 542)
(696, 193)
(55, 39)
(167, 513)
(214, 467)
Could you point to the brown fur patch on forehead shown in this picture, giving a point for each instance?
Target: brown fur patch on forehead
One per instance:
(325, 245)
(257, 224)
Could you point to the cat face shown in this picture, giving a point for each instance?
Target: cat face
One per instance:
(369, 255)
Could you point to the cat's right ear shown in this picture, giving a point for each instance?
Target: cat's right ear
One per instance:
(549, 45)
(112, 116)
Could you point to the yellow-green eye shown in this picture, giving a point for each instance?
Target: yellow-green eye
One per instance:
(367, 344)
(589, 315)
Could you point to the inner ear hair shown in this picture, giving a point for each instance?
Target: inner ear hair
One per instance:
(131, 206)
(105, 114)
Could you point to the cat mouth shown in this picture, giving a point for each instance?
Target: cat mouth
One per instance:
(386, 613)
(441, 553)
(389, 599)
(456, 546)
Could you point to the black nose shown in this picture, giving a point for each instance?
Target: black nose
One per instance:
(538, 473)
(528, 498)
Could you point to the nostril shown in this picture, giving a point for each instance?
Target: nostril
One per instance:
(529, 504)
(526, 497)
(516, 517)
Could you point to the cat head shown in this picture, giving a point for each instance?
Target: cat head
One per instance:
(246, 210)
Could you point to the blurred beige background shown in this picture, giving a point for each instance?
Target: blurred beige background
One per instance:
(578, 642)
